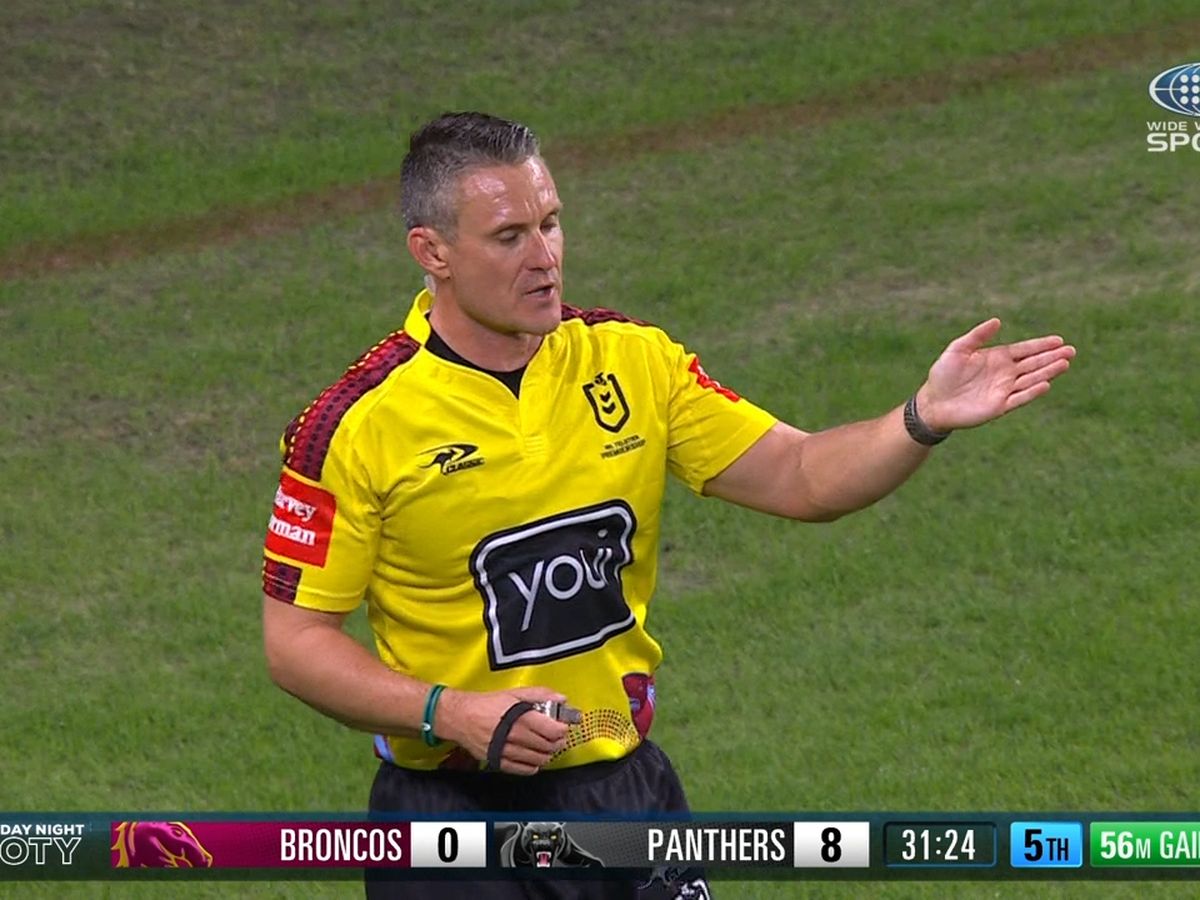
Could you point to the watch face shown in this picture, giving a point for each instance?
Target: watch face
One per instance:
(939, 844)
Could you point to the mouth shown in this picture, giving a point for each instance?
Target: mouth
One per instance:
(543, 859)
(542, 291)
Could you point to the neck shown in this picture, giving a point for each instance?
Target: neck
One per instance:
(496, 351)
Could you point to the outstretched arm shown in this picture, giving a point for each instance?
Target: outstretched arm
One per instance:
(821, 476)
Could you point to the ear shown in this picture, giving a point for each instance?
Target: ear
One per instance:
(430, 250)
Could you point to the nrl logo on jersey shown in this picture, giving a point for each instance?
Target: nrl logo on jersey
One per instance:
(451, 458)
(608, 401)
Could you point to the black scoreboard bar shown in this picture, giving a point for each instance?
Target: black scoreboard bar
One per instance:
(730, 846)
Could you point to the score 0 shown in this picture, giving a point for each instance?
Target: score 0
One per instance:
(449, 845)
(830, 845)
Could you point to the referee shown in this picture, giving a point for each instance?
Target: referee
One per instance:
(489, 479)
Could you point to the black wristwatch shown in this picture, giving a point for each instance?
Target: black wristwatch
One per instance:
(916, 427)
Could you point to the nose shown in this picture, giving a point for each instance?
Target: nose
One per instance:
(543, 253)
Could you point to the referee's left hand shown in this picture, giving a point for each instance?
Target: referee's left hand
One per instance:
(971, 384)
(470, 719)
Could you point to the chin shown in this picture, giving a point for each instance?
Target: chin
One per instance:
(546, 317)
(544, 326)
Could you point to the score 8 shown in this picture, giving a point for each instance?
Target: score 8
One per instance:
(831, 839)
(832, 845)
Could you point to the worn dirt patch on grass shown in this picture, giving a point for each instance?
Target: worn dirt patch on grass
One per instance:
(225, 225)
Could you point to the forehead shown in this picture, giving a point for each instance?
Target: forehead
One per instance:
(492, 195)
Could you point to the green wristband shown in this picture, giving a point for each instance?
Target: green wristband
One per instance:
(427, 720)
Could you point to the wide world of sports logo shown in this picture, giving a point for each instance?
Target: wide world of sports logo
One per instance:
(1176, 90)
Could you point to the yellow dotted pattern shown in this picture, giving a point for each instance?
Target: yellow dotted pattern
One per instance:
(603, 723)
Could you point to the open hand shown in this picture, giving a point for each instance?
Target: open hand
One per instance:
(971, 384)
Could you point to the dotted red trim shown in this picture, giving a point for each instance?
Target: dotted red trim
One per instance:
(280, 580)
(309, 435)
(597, 315)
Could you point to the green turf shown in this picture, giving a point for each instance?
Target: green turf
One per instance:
(117, 114)
(1011, 631)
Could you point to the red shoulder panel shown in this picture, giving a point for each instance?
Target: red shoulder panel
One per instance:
(597, 315)
(309, 435)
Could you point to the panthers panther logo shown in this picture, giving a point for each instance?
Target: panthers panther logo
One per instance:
(674, 883)
(158, 845)
(543, 845)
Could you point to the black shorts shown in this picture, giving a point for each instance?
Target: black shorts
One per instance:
(642, 782)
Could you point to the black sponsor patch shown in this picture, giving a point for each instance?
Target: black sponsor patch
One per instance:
(552, 588)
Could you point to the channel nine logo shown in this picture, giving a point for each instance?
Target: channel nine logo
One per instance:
(1176, 90)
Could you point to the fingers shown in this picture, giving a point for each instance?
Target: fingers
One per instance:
(539, 721)
(471, 720)
(1045, 373)
(1020, 398)
(529, 747)
(976, 337)
(1043, 359)
(539, 732)
(1033, 384)
(538, 693)
(515, 768)
(1024, 349)
(535, 737)
(522, 761)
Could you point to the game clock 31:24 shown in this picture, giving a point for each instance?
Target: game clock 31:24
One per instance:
(957, 844)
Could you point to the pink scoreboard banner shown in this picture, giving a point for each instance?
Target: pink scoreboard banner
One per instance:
(57, 846)
(297, 844)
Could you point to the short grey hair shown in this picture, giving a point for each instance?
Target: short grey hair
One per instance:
(441, 151)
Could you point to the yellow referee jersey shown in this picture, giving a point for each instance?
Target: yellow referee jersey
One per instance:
(503, 541)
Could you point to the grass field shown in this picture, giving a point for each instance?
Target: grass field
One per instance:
(816, 196)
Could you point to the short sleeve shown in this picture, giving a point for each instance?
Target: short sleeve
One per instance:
(323, 533)
(709, 425)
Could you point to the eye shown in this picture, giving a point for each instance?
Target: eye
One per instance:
(508, 237)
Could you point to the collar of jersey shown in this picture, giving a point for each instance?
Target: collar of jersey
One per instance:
(416, 325)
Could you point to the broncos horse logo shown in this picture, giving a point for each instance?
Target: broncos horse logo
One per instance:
(158, 845)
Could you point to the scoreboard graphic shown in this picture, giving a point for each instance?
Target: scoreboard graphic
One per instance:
(862, 846)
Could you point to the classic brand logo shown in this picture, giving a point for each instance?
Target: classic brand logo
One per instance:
(452, 458)
(1178, 89)
(552, 588)
(608, 401)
